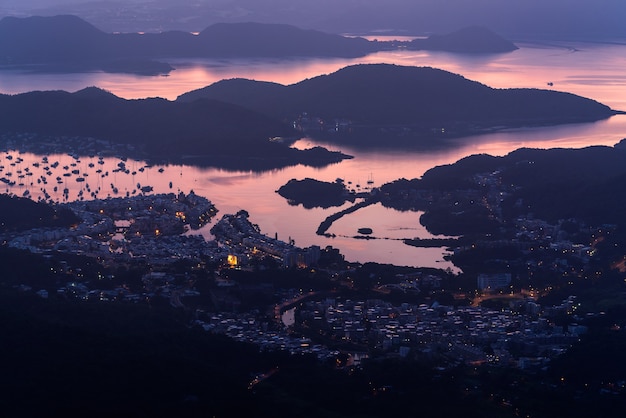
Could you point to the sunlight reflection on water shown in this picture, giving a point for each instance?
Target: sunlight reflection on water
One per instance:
(591, 70)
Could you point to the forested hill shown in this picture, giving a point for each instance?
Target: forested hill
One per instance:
(206, 130)
(415, 100)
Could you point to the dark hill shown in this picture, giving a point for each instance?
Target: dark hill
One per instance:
(414, 101)
(20, 214)
(268, 40)
(95, 93)
(209, 131)
(62, 27)
(313, 193)
(36, 40)
(49, 39)
(68, 43)
(472, 40)
(552, 184)
(482, 194)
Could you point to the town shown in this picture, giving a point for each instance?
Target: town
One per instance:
(224, 283)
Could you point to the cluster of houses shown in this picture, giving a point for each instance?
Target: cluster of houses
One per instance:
(437, 332)
(122, 229)
(245, 239)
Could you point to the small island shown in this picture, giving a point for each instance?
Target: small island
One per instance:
(312, 193)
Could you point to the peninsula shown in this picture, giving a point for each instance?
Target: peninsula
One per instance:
(385, 105)
(313, 193)
(205, 132)
(70, 44)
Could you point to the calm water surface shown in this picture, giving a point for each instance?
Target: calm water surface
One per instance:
(591, 70)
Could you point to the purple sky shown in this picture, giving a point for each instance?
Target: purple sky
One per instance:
(573, 19)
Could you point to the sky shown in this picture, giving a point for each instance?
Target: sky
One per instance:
(516, 19)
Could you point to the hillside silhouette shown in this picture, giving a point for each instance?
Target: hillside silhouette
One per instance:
(474, 40)
(67, 43)
(205, 131)
(552, 184)
(71, 39)
(415, 103)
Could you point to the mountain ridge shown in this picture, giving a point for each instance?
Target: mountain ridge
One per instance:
(206, 132)
(50, 39)
(71, 44)
(471, 40)
(413, 101)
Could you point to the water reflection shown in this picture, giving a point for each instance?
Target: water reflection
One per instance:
(230, 191)
(590, 70)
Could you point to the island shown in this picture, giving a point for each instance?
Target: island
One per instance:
(312, 193)
(383, 105)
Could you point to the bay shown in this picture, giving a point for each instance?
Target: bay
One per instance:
(590, 70)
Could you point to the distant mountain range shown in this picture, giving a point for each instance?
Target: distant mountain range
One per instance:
(371, 103)
(553, 184)
(68, 43)
(69, 39)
